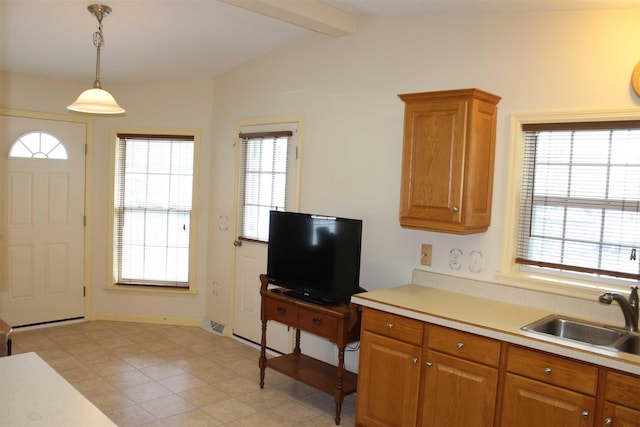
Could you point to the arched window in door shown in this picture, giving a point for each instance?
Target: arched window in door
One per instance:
(38, 145)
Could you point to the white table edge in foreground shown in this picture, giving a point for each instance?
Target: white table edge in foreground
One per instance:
(32, 393)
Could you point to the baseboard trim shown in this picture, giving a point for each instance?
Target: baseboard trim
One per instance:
(146, 318)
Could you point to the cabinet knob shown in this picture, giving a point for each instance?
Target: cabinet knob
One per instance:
(281, 310)
(428, 364)
(585, 414)
(414, 360)
(460, 345)
(608, 422)
(547, 371)
(454, 209)
(317, 322)
(389, 325)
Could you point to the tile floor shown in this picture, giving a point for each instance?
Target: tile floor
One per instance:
(157, 375)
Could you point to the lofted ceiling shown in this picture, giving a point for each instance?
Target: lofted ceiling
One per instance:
(155, 40)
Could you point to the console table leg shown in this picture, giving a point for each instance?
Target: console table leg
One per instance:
(339, 392)
(296, 349)
(262, 362)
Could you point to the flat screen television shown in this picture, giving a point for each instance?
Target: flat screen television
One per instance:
(315, 257)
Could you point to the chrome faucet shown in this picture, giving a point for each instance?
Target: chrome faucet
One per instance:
(628, 306)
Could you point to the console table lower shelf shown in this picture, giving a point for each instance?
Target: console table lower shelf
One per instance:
(313, 372)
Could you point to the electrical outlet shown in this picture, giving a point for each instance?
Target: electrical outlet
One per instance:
(475, 261)
(425, 254)
(455, 259)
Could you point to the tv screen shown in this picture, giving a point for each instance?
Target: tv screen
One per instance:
(317, 257)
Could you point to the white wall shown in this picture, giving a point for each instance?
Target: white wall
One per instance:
(347, 90)
(175, 105)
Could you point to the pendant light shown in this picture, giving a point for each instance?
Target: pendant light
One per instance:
(97, 100)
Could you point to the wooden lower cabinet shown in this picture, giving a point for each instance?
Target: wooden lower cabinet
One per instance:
(541, 389)
(622, 406)
(457, 392)
(530, 403)
(620, 416)
(404, 382)
(389, 389)
(414, 373)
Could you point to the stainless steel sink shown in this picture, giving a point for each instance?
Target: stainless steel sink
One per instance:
(630, 345)
(583, 331)
(575, 329)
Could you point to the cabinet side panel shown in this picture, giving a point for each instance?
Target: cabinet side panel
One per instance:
(481, 148)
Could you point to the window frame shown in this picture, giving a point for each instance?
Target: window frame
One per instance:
(294, 124)
(566, 284)
(35, 154)
(111, 284)
(245, 138)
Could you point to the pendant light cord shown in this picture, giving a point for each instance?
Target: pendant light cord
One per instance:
(98, 42)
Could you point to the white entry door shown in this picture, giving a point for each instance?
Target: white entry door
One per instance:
(251, 256)
(251, 262)
(42, 234)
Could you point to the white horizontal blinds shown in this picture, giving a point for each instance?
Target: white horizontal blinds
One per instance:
(263, 181)
(580, 201)
(153, 200)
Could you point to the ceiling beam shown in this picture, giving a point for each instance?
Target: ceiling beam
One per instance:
(311, 14)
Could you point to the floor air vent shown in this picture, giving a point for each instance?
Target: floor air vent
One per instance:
(211, 326)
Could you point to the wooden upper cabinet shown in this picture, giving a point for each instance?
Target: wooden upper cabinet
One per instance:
(448, 160)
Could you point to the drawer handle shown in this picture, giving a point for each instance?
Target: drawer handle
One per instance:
(547, 371)
(389, 325)
(429, 364)
(281, 310)
(608, 422)
(585, 414)
(317, 322)
(460, 345)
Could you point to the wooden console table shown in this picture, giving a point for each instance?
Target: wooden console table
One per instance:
(339, 323)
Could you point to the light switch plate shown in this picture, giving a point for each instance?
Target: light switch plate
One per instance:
(426, 254)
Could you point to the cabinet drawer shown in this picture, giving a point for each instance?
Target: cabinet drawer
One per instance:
(282, 312)
(551, 369)
(318, 324)
(393, 326)
(465, 345)
(623, 389)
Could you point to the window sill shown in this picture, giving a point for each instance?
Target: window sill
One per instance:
(152, 290)
(568, 287)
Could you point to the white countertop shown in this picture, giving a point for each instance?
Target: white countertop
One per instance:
(32, 393)
(489, 318)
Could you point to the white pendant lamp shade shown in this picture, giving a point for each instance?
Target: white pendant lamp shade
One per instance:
(97, 100)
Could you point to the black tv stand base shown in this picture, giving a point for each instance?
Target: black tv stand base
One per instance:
(309, 298)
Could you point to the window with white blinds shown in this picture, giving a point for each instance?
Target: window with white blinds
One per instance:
(152, 213)
(264, 159)
(580, 198)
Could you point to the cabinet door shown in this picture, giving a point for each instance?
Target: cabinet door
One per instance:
(529, 403)
(432, 160)
(620, 416)
(458, 393)
(388, 382)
